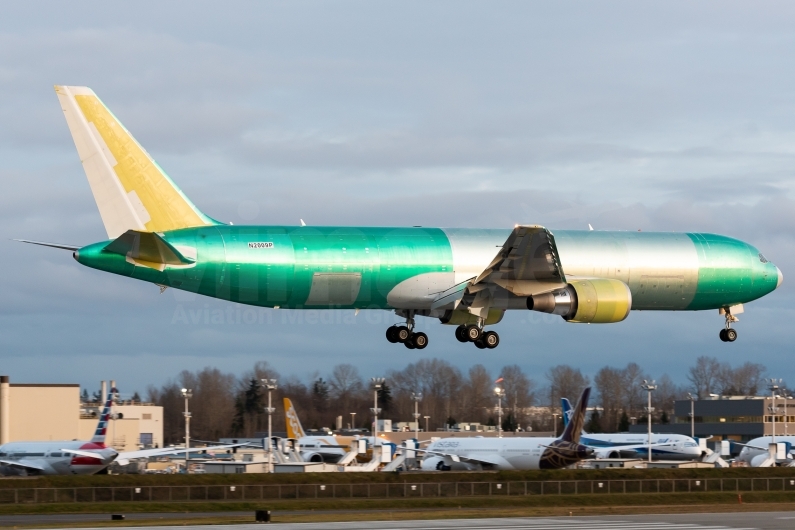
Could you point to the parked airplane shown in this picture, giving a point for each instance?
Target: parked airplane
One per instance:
(464, 277)
(479, 453)
(313, 448)
(74, 457)
(758, 453)
(625, 445)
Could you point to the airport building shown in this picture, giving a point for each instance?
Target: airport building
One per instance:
(34, 411)
(735, 418)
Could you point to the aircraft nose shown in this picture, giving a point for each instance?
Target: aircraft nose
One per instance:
(780, 278)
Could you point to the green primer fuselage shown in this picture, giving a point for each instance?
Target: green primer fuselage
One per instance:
(406, 268)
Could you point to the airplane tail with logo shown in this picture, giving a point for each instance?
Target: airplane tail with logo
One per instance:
(131, 190)
(102, 425)
(565, 406)
(575, 424)
(294, 429)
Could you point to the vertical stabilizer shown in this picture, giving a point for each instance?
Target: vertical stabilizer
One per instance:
(102, 425)
(131, 191)
(577, 421)
(567, 411)
(294, 429)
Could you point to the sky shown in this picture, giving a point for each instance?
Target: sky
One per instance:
(669, 116)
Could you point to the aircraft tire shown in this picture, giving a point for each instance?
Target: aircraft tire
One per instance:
(722, 335)
(391, 334)
(480, 345)
(409, 344)
(403, 334)
(420, 340)
(461, 334)
(731, 335)
(473, 333)
(491, 339)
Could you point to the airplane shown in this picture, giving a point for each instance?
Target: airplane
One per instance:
(75, 457)
(479, 453)
(625, 445)
(312, 448)
(465, 278)
(759, 453)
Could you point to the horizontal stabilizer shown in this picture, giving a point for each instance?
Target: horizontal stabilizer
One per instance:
(53, 245)
(147, 249)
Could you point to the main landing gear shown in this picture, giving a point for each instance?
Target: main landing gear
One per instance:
(474, 333)
(407, 336)
(729, 334)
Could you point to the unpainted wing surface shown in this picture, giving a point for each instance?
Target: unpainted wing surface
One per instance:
(24, 464)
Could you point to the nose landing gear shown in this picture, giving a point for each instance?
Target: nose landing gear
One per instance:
(729, 334)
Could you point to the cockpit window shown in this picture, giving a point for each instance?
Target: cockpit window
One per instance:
(762, 258)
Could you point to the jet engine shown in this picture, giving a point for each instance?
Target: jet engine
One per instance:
(434, 463)
(597, 301)
(311, 456)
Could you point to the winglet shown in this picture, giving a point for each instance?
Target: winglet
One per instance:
(573, 430)
(294, 429)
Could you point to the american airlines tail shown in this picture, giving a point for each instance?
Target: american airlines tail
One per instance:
(102, 425)
(294, 429)
(574, 427)
(132, 192)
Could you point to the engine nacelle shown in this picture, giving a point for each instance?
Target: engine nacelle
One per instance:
(434, 463)
(597, 301)
(311, 456)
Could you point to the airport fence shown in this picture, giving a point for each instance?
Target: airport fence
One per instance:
(268, 492)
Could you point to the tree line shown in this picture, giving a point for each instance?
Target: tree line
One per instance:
(228, 405)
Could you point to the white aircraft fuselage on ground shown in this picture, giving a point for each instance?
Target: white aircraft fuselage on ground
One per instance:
(758, 450)
(477, 453)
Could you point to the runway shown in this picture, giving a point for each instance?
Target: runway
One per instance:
(690, 521)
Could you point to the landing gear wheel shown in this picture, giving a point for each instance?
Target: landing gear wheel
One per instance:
(409, 344)
(403, 334)
(731, 335)
(480, 344)
(391, 334)
(491, 339)
(420, 340)
(461, 334)
(722, 335)
(473, 333)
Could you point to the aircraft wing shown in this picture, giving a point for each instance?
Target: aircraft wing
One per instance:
(490, 460)
(528, 263)
(24, 464)
(125, 456)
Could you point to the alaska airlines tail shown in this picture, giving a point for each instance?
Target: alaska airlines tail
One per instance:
(131, 191)
(574, 427)
(294, 429)
(102, 426)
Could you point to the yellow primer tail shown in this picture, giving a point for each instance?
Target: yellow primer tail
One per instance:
(294, 429)
(131, 191)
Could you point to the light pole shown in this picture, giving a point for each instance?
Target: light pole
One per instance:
(416, 397)
(427, 418)
(270, 384)
(353, 422)
(555, 424)
(649, 386)
(692, 399)
(377, 384)
(773, 385)
(187, 393)
(500, 392)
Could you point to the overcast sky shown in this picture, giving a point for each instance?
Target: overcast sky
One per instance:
(625, 115)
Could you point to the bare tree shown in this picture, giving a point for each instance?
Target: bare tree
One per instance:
(518, 391)
(741, 381)
(704, 376)
(610, 388)
(565, 381)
